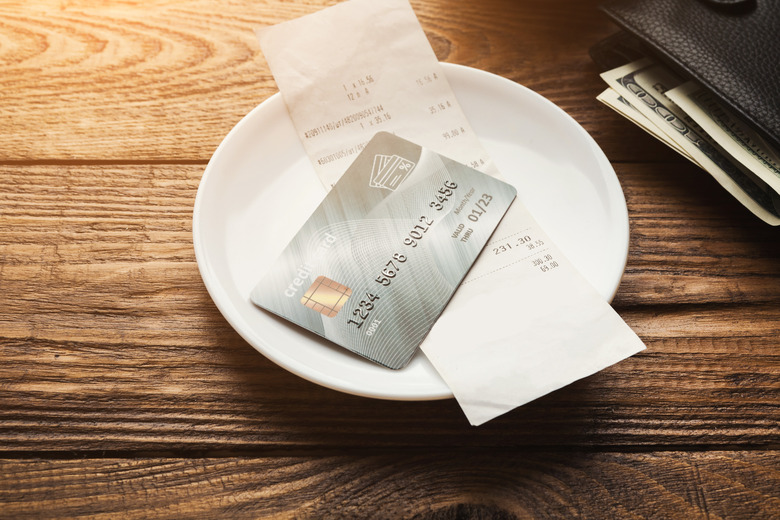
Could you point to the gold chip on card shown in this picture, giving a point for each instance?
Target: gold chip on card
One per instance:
(326, 296)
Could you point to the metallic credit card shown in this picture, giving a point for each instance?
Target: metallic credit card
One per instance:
(378, 260)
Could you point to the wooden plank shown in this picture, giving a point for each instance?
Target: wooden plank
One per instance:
(440, 485)
(110, 340)
(167, 80)
(61, 396)
(697, 384)
(112, 235)
(691, 242)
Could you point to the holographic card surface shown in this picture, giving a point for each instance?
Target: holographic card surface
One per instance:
(378, 260)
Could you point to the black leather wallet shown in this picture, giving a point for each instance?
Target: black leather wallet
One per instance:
(731, 47)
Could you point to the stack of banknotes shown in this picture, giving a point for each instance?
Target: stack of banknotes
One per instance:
(700, 128)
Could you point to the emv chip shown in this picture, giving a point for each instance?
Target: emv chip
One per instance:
(326, 296)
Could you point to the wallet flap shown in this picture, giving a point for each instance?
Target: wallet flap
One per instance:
(733, 53)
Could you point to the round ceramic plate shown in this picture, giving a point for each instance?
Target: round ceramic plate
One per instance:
(259, 188)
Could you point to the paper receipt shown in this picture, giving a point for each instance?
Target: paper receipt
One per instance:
(524, 322)
(340, 92)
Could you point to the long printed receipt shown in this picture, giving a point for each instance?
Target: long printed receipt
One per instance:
(523, 322)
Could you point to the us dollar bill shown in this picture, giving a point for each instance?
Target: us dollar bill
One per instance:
(620, 105)
(644, 84)
(736, 137)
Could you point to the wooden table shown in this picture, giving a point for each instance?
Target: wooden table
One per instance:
(124, 392)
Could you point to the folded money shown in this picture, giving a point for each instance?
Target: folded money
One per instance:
(685, 117)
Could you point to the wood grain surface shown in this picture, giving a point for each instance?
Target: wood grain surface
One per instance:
(125, 393)
(489, 486)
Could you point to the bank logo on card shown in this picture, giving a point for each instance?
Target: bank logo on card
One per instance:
(326, 296)
(390, 171)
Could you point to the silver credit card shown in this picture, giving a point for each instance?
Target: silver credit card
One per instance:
(378, 260)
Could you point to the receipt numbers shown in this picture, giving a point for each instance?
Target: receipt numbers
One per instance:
(539, 256)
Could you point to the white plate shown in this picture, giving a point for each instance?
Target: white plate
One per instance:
(259, 188)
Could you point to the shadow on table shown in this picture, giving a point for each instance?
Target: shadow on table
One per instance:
(293, 413)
